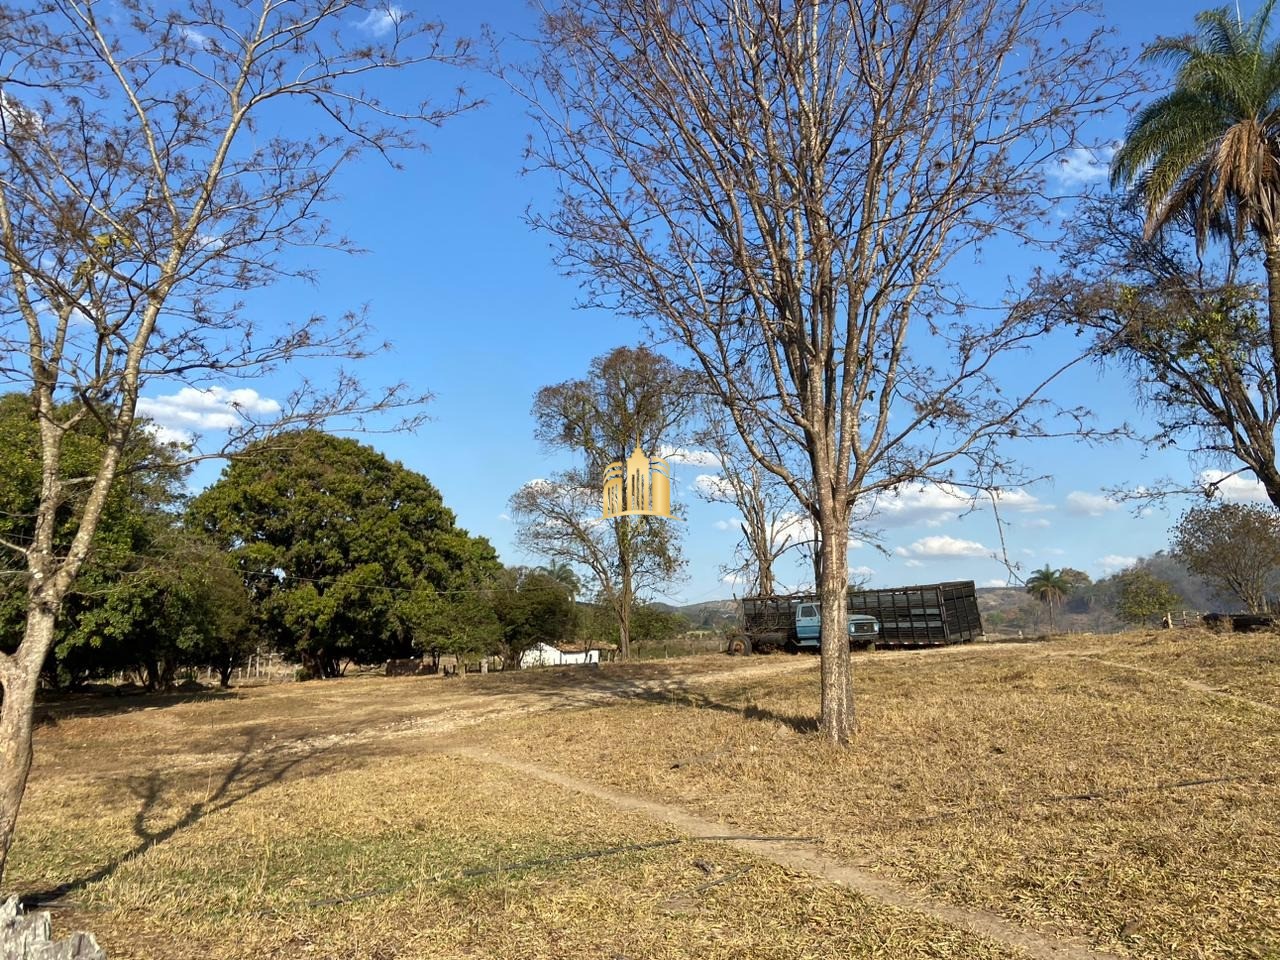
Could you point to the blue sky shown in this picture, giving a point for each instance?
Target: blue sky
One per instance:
(480, 317)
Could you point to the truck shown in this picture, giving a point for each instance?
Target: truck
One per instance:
(923, 615)
(931, 614)
(793, 623)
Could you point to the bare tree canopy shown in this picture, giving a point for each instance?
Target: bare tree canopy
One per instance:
(769, 522)
(156, 164)
(779, 187)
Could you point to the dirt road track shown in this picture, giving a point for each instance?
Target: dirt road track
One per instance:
(808, 860)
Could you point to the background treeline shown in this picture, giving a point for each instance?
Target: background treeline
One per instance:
(1068, 600)
(320, 549)
(310, 545)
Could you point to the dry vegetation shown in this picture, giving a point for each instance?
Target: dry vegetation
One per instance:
(1078, 797)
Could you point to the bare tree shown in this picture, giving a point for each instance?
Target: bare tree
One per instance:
(1188, 327)
(630, 397)
(779, 188)
(769, 519)
(626, 557)
(155, 165)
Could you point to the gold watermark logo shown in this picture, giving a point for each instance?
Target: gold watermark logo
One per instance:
(639, 485)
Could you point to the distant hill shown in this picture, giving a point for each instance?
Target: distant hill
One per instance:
(1008, 611)
(708, 615)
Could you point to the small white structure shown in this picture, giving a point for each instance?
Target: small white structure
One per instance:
(545, 655)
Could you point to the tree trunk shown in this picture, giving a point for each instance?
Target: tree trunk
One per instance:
(19, 681)
(764, 563)
(624, 628)
(837, 721)
(1273, 308)
(625, 593)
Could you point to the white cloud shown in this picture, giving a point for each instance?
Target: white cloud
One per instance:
(504, 516)
(734, 579)
(1235, 489)
(726, 525)
(215, 408)
(861, 572)
(1081, 504)
(934, 504)
(168, 434)
(1019, 501)
(913, 563)
(696, 458)
(943, 547)
(1035, 523)
(1081, 165)
(996, 582)
(195, 37)
(713, 486)
(792, 528)
(928, 502)
(1113, 562)
(382, 21)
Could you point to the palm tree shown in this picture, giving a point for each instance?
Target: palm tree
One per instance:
(1209, 150)
(1050, 587)
(563, 574)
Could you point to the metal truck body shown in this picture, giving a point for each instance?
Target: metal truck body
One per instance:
(923, 615)
(930, 614)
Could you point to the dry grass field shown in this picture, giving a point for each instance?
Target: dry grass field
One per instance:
(1081, 798)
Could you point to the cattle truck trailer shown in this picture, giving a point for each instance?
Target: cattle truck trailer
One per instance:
(933, 614)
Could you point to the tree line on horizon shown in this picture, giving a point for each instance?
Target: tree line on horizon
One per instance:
(1223, 558)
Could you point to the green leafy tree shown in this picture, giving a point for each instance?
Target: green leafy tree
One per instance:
(462, 622)
(1235, 546)
(656, 625)
(564, 574)
(1207, 150)
(1080, 595)
(129, 547)
(340, 547)
(532, 608)
(1050, 587)
(1141, 596)
(183, 605)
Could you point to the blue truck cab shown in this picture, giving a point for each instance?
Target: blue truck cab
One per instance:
(862, 628)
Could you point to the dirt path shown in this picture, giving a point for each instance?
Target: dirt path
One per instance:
(806, 859)
(470, 708)
(457, 708)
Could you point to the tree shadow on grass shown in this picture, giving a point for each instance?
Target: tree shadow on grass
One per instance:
(53, 708)
(254, 769)
(680, 695)
(574, 687)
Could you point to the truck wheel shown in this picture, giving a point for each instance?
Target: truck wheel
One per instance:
(737, 647)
